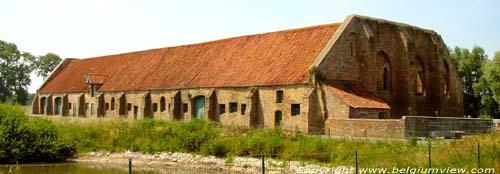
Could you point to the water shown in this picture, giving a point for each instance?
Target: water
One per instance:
(86, 168)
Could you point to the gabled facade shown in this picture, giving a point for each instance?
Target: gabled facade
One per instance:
(362, 68)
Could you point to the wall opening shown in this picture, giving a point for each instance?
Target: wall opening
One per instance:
(384, 68)
(123, 108)
(112, 103)
(162, 104)
(222, 109)
(57, 106)
(199, 107)
(278, 118)
(446, 78)
(43, 104)
(295, 109)
(420, 77)
(243, 108)
(279, 96)
(148, 108)
(233, 107)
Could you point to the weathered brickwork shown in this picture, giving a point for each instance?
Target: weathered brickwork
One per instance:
(356, 78)
(386, 128)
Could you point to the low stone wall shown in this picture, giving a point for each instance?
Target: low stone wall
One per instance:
(376, 128)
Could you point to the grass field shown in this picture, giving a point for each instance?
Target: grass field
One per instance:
(209, 138)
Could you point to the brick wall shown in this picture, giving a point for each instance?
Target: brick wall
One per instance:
(378, 128)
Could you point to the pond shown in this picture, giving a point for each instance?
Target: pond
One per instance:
(97, 168)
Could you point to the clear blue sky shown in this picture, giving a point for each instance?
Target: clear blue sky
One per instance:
(87, 28)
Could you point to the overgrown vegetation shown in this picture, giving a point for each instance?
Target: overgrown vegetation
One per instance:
(209, 138)
(26, 140)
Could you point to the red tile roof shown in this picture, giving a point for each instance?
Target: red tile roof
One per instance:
(356, 95)
(275, 58)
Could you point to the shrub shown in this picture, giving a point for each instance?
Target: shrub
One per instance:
(30, 140)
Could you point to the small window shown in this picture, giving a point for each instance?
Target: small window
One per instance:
(295, 109)
(279, 96)
(69, 106)
(363, 115)
(169, 106)
(87, 106)
(222, 109)
(112, 103)
(233, 107)
(107, 106)
(243, 108)
(129, 106)
(382, 115)
(155, 107)
(185, 107)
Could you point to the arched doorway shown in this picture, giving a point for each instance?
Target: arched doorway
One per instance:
(58, 105)
(278, 118)
(199, 107)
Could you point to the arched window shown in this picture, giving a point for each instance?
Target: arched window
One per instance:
(384, 68)
(112, 103)
(420, 77)
(162, 104)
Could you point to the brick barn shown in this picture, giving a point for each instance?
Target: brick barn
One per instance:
(305, 79)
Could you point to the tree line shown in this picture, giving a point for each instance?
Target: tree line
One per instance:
(15, 69)
(480, 76)
(481, 81)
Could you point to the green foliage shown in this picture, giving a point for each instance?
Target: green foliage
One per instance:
(471, 65)
(208, 138)
(492, 78)
(30, 140)
(15, 69)
(46, 63)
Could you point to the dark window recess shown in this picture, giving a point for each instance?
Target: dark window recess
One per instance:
(233, 107)
(129, 106)
(295, 109)
(185, 107)
(363, 115)
(87, 106)
(382, 115)
(279, 96)
(222, 109)
(155, 107)
(113, 104)
(243, 108)
(162, 104)
(69, 106)
(169, 106)
(107, 106)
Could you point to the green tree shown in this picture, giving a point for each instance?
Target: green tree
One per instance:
(470, 68)
(15, 69)
(491, 79)
(46, 63)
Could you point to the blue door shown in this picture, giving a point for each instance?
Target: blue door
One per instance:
(199, 107)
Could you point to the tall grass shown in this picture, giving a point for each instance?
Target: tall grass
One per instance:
(209, 138)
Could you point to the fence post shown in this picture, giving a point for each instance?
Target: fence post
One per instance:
(263, 164)
(430, 157)
(356, 157)
(129, 166)
(478, 155)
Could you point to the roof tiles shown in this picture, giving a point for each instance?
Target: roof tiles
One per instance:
(275, 58)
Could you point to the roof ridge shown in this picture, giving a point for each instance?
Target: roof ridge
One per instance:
(218, 40)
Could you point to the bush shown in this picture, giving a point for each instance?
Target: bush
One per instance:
(27, 140)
